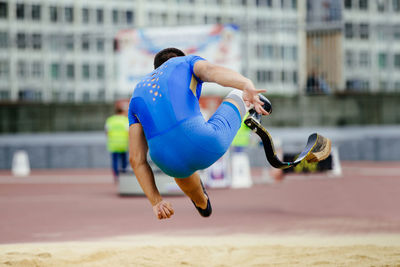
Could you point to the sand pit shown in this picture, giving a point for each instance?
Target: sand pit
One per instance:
(232, 250)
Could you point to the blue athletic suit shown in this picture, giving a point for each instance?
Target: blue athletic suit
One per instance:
(166, 103)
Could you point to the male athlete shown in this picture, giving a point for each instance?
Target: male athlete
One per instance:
(164, 118)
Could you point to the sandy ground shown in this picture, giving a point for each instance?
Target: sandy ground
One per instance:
(232, 250)
(54, 220)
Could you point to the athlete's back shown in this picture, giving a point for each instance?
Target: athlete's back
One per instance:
(166, 96)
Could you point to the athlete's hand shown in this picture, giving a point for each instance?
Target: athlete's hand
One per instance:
(163, 210)
(250, 97)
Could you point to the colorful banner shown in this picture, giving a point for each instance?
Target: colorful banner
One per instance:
(219, 44)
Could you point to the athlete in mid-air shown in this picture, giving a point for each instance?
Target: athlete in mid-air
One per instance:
(164, 118)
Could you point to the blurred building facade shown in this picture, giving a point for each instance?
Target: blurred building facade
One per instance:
(63, 51)
(354, 45)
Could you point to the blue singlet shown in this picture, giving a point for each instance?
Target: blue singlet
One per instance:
(166, 103)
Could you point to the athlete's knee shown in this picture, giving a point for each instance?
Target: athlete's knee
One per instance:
(236, 97)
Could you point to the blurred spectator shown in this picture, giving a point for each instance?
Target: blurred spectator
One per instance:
(117, 140)
(317, 85)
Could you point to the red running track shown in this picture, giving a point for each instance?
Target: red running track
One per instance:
(84, 205)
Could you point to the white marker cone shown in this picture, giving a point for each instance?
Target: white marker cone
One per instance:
(20, 164)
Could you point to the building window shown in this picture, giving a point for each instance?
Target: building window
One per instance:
(86, 71)
(3, 10)
(85, 15)
(100, 71)
(53, 14)
(69, 42)
(115, 16)
(20, 11)
(55, 71)
(363, 4)
(382, 60)
(396, 5)
(4, 95)
(397, 61)
(349, 59)
(100, 45)
(21, 69)
(347, 4)
(3, 39)
(70, 71)
(364, 59)
(381, 6)
(86, 96)
(36, 12)
(85, 43)
(21, 40)
(54, 42)
(99, 16)
(129, 17)
(295, 77)
(4, 68)
(36, 41)
(348, 30)
(69, 14)
(37, 69)
(364, 31)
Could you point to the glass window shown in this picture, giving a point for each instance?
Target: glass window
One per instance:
(349, 58)
(85, 43)
(348, 30)
(129, 17)
(364, 59)
(100, 45)
(364, 31)
(53, 14)
(85, 71)
(363, 4)
(70, 71)
(381, 5)
(295, 78)
(100, 16)
(21, 40)
(55, 71)
(396, 5)
(37, 69)
(86, 96)
(4, 95)
(21, 69)
(36, 41)
(20, 11)
(69, 42)
(100, 71)
(85, 15)
(115, 16)
(347, 4)
(3, 39)
(4, 68)
(3, 10)
(36, 12)
(54, 42)
(69, 14)
(397, 61)
(382, 60)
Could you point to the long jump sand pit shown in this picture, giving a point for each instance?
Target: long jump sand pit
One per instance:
(228, 250)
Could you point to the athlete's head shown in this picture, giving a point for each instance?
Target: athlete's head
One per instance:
(166, 54)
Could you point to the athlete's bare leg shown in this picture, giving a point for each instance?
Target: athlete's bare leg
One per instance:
(192, 188)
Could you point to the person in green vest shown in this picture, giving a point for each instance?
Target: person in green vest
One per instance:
(117, 129)
(242, 138)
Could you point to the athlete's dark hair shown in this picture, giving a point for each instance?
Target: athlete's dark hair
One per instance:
(166, 54)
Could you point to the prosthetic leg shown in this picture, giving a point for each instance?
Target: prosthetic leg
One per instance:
(317, 148)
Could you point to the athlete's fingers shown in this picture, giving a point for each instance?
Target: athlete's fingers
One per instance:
(261, 91)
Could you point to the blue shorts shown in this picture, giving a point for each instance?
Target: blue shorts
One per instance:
(195, 144)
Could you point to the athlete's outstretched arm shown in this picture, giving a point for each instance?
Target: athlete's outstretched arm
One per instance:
(209, 72)
(138, 159)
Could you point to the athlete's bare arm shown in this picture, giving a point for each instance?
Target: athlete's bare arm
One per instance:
(209, 72)
(138, 159)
